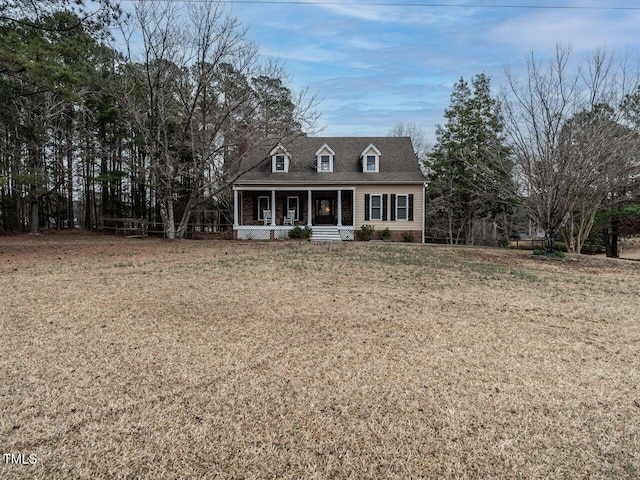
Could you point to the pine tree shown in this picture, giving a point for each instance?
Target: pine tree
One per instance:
(469, 167)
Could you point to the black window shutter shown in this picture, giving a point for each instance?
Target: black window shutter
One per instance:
(411, 207)
(366, 206)
(384, 207)
(393, 206)
(255, 207)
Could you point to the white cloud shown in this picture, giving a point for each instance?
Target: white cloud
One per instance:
(306, 53)
(400, 14)
(376, 65)
(585, 32)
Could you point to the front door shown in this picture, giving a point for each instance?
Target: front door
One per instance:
(325, 211)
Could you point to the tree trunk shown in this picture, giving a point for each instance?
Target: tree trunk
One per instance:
(34, 216)
(166, 213)
(549, 238)
(614, 245)
(70, 213)
(186, 216)
(182, 228)
(610, 239)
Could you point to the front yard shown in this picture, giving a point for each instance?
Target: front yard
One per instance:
(229, 359)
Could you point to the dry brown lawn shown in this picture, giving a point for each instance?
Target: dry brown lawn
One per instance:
(145, 359)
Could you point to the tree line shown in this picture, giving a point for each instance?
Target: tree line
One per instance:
(558, 150)
(156, 128)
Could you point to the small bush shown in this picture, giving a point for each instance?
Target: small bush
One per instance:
(298, 232)
(385, 234)
(365, 232)
(560, 246)
(554, 254)
(593, 246)
(407, 237)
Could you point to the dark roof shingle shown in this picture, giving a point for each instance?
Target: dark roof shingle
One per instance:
(398, 163)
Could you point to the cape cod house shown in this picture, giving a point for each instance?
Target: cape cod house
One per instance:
(334, 185)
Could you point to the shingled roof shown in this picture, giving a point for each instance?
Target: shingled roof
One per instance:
(398, 163)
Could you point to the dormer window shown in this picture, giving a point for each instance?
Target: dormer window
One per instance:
(371, 159)
(325, 163)
(280, 160)
(324, 159)
(372, 163)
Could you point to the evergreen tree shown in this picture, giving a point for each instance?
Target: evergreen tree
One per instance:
(469, 167)
(43, 84)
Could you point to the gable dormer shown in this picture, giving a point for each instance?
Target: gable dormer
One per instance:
(324, 159)
(280, 160)
(371, 159)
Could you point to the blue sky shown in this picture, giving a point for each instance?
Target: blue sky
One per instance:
(375, 65)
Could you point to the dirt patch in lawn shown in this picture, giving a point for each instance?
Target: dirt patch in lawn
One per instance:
(128, 358)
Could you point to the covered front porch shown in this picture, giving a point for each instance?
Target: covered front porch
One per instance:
(263, 213)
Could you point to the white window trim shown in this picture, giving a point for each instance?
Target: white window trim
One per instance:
(371, 150)
(261, 210)
(324, 150)
(406, 206)
(284, 163)
(375, 164)
(371, 217)
(321, 161)
(279, 151)
(297, 207)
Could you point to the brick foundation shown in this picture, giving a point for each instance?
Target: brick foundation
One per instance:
(398, 235)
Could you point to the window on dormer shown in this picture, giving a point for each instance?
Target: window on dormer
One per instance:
(324, 159)
(325, 163)
(280, 159)
(370, 159)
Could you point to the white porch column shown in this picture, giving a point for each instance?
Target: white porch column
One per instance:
(273, 207)
(353, 207)
(339, 208)
(424, 219)
(309, 212)
(235, 208)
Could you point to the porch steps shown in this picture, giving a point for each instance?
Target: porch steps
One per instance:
(325, 234)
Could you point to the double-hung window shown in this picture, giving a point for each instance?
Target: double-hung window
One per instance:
(324, 159)
(325, 163)
(370, 159)
(280, 159)
(375, 207)
(371, 163)
(402, 207)
(263, 204)
(292, 204)
(280, 166)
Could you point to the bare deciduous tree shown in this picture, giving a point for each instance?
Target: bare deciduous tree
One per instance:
(203, 97)
(568, 138)
(421, 145)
